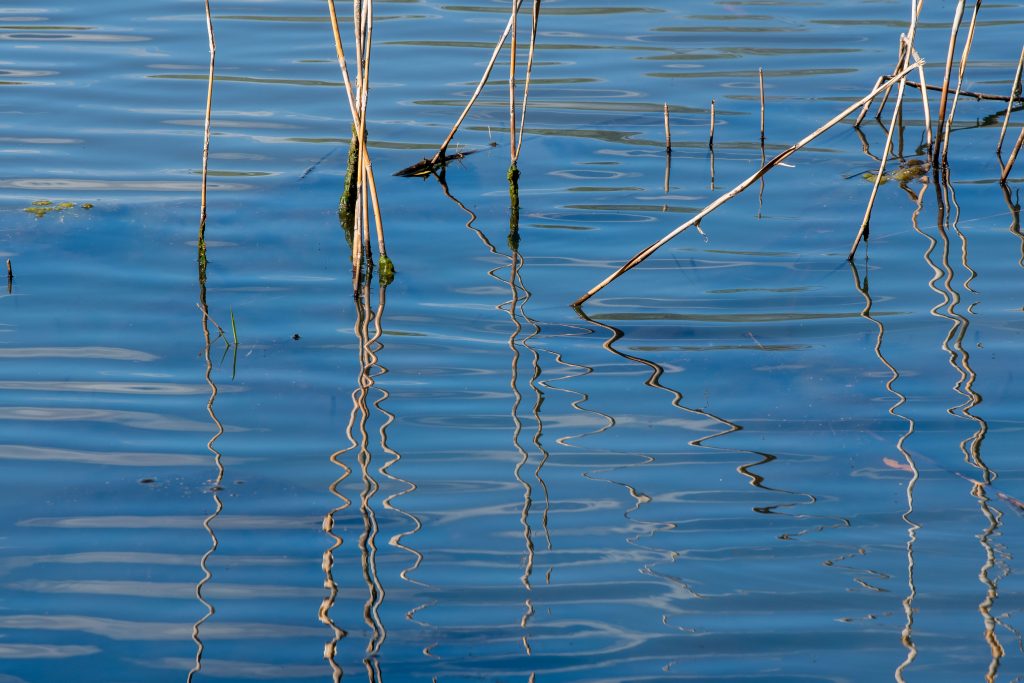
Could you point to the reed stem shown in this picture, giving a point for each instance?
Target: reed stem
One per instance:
(941, 123)
(668, 133)
(206, 134)
(1013, 157)
(960, 77)
(439, 156)
(711, 136)
(760, 80)
(529, 72)
(1015, 88)
(513, 54)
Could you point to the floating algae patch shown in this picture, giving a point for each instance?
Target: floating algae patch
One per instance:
(41, 207)
(907, 171)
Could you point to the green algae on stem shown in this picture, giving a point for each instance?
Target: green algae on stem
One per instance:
(513, 219)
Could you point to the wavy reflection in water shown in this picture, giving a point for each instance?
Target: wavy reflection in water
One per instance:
(725, 427)
(216, 484)
(205, 311)
(959, 359)
(358, 435)
(520, 339)
(1013, 204)
(908, 464)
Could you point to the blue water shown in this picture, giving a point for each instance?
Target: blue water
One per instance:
(747, 460)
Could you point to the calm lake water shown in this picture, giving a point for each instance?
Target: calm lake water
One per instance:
(748, 460)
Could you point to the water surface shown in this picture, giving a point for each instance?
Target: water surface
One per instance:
(748, 460)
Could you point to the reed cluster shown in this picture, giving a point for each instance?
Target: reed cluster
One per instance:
(937, 143)
(360, 200)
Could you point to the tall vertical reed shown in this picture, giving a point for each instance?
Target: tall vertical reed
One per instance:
(357, 96)
(206, 138)
(941, 123)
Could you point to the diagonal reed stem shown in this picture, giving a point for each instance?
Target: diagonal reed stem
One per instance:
(642, 255)
(1014, 91)
(1013, 157)
(529, 72)
(480, 86)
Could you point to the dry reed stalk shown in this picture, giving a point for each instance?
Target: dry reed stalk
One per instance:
(906, 51)
(10, 272)
(1014, 90)
(901, 60)
(1013, 157)
(668, 133)
(924, 96)
(862, 233)
(941, 123)
(357, 123)
(711, 136)
(480, 86)
(760, 79)
(965, 93)
(642, 256)
(529, 72)
(513, 54)
(964, 56)
(206, 130)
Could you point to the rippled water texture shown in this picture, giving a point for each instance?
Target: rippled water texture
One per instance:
(748, 460)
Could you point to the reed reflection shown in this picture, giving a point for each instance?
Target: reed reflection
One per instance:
(201, 263)
(964, 385)
(368, 330)
(215, 485)
(523, 335)
(909, 464)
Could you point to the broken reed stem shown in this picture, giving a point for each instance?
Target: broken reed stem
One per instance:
(862, 233)
(357, 123)
(906, 52)
(941, 123)
(206, 131)
(867, 105)
(1013, 157)
(10, 272)
(900, 61)
(668, 133)
(480, 86)
(711, 136)
(924, 96)
(960, 76)
(513, 53)
(1014, 90)
(529, 72)
(760, 79)
(965, 93)
(642, 256)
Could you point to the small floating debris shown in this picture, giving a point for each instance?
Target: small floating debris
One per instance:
(425, 167)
